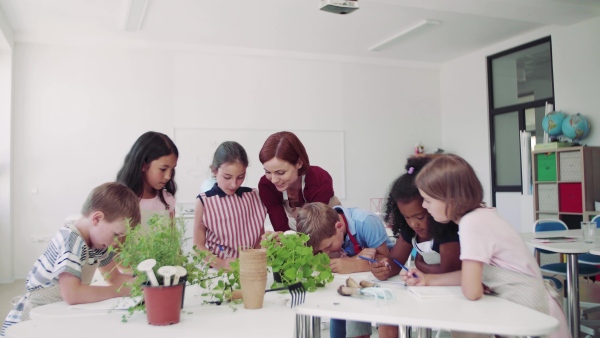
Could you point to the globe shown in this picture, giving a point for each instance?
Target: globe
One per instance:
(576, 127)
(552, 123)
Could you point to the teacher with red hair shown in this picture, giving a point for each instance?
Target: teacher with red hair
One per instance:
(290, 181)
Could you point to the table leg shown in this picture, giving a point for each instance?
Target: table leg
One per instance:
(573, 294)
(308, 326)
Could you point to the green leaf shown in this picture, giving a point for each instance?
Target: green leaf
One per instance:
(294, 260)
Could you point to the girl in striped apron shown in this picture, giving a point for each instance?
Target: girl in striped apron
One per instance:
(228, 216)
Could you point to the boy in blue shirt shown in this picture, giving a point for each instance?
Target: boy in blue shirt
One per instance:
(356, 232)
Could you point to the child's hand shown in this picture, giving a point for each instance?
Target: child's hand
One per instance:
(342, 265)
(382, 269)
(125, 291)
(368, 252)
(407, 276)
(269, 233)
(224, 263)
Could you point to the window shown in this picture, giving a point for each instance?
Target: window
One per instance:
(520, 84)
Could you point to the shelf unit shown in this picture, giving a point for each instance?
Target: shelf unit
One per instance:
(566, 182)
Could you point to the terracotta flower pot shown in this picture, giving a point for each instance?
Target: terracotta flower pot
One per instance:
(163, 303)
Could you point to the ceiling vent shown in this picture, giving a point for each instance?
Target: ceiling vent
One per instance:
(339, 6)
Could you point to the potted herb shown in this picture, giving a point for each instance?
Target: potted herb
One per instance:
(294, 261)
(161, 241)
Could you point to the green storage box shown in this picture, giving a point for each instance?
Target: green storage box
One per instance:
(546, 167)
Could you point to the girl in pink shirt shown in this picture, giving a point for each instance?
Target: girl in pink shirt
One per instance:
(149, 170)
(495, 260)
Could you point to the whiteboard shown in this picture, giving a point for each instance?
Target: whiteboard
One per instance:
(197, 146)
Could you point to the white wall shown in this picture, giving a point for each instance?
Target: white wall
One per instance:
(7, 38)
(78, 110)
(463, 82)
(6, 248)
(576, 58)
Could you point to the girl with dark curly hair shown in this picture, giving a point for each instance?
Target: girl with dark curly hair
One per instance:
(437, 245)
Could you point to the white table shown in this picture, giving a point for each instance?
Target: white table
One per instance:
(487, 315)
(276, 319)
(571, 250)
(59, 320)
(595, 251)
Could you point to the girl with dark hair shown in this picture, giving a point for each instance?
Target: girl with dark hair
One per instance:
(149, 170)
(290, 181)
(437, 245)
(228, 216)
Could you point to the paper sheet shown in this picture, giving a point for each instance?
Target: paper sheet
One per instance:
(436, 291)
(392, 280)
(120, 303)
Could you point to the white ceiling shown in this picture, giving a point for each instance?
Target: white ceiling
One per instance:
(297, 26)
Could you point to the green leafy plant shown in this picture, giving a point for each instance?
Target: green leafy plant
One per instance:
(162, 240)
(221, 285)
(294, 261)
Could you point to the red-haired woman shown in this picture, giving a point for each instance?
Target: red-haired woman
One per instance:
(290, 181)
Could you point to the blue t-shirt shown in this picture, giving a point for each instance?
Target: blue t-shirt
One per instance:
(366, 227)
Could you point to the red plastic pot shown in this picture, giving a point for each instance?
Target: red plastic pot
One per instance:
(163, 304)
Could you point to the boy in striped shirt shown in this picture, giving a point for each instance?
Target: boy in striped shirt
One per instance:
(65, 270)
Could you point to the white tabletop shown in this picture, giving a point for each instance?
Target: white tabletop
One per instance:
(276, 319)
(576, 247)
(595, 251)
(487, 315)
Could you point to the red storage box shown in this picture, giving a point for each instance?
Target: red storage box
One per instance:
(570, 198)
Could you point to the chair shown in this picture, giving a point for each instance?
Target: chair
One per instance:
(585, 270)
(547, 225)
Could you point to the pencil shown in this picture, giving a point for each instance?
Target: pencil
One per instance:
(404, 267)
(367, 259)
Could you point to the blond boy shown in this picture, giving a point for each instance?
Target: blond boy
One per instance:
(65, 270)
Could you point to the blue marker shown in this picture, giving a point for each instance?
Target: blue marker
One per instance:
(223, 251)
(367, 259)
(404, 267)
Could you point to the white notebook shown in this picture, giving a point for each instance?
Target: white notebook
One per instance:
(436, 291)
(392, 280)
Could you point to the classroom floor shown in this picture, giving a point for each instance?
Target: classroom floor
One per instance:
(589, 292)
(7, 293)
